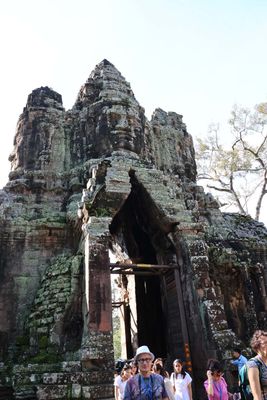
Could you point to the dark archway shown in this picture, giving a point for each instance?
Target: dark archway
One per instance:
(138, 229)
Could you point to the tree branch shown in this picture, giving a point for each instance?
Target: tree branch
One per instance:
(219, 189)
(259, 202)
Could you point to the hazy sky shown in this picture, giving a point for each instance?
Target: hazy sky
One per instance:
(195, 57)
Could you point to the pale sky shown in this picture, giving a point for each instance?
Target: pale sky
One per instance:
(194, 57)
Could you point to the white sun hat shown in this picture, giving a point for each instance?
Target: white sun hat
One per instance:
(143, 350)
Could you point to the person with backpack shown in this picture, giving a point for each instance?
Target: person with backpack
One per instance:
(239, 360)
(257, 366)
(145, 385)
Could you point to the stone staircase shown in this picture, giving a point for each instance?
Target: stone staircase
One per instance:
(62, 381)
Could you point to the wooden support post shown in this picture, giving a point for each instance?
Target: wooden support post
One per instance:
(183, 320)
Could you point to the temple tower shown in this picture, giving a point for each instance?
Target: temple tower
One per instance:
(101, 180)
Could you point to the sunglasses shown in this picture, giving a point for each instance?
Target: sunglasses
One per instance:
(143, 360)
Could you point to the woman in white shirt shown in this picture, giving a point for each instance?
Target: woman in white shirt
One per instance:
(120, 381)
(181, 381)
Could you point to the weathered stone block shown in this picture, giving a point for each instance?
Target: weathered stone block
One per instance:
(52, 392)
(71, 366)
(98, 392)
(76, 391)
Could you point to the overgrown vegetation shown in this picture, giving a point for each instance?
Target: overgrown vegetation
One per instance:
(116, 335)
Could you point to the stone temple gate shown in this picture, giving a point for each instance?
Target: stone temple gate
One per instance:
(101, 179)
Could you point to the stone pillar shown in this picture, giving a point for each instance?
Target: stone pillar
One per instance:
(210, 298)
(97, 346)
(262, 284)
(251, 313)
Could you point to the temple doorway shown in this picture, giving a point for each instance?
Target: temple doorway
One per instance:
(146, 263)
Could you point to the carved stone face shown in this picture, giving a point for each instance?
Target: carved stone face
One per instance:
(116, 119)
(125, 128)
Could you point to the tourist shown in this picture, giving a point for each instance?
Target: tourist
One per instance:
(181, 381)
(257, 369)
(215, 385)
(120, 381)
(239, 359)
(159, 369)
(134, 368)
(145, 385)
(155, 367)
(160, 361)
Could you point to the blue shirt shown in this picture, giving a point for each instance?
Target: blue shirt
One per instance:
(240, 361)
(139, 388)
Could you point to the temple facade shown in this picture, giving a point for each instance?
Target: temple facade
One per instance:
(100, 190)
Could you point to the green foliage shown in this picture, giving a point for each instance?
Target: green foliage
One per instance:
(116, 335)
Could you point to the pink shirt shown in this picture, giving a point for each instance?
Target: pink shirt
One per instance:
(220, 391)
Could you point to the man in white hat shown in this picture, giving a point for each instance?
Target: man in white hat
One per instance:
(145, 385)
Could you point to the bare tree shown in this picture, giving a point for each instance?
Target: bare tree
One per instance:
(237, 168)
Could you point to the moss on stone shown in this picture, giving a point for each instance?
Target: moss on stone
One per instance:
(45, 358)
(22, 340)
(69, 392)
(43, 342)
(99, 212)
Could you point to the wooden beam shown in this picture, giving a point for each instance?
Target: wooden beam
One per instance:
(141, 269)
(157, 266)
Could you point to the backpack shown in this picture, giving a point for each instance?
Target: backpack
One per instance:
(244, 382)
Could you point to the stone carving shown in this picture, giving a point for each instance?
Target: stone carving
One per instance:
(101, 178)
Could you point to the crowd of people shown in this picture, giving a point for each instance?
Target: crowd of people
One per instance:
(145, 378)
